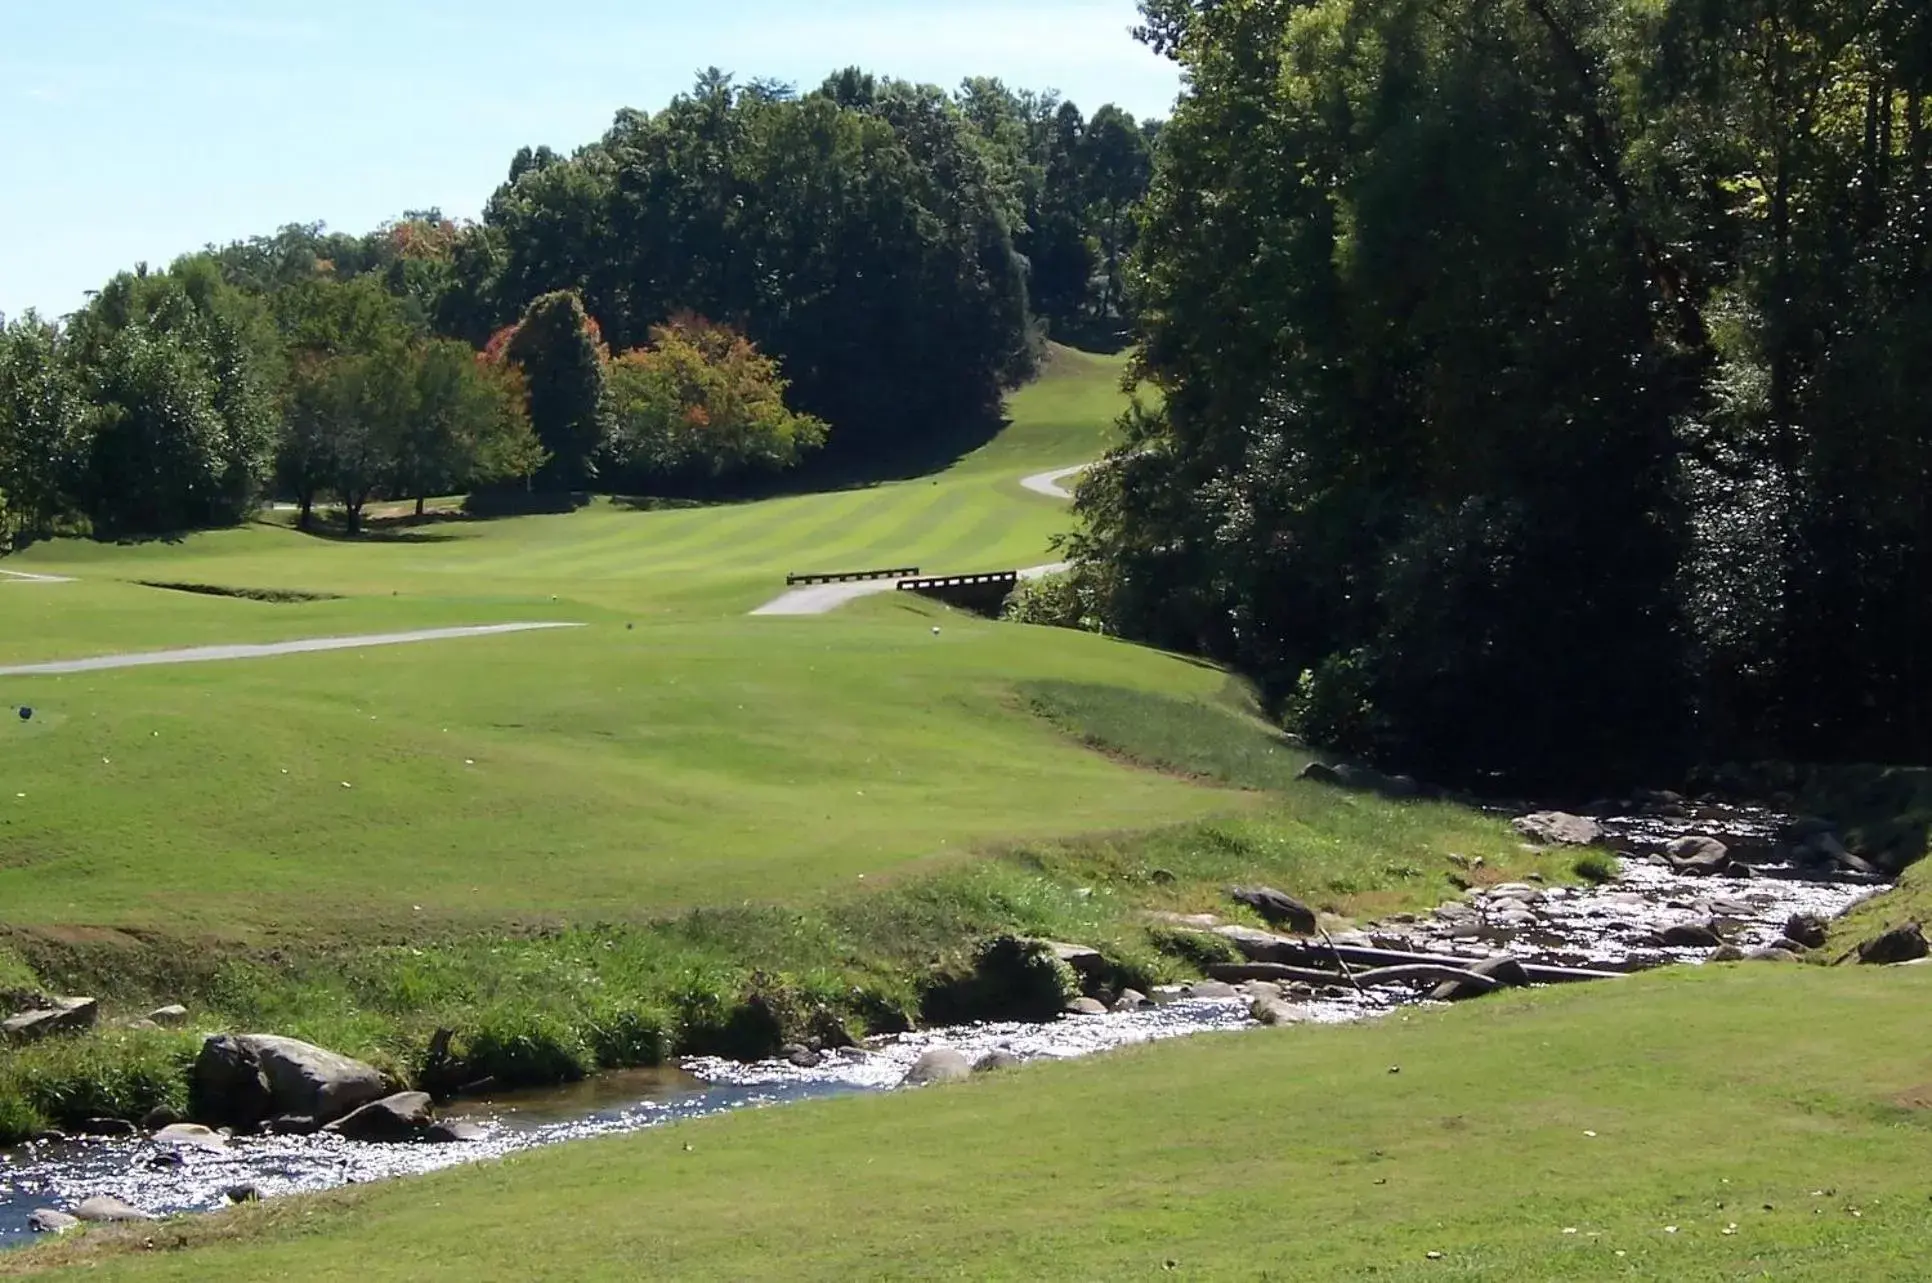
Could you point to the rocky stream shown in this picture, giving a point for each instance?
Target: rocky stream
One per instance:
(1680, 884)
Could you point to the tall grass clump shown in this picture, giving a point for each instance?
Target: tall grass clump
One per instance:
(65, 1082)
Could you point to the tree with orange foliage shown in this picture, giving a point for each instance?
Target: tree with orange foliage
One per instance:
(702, 403)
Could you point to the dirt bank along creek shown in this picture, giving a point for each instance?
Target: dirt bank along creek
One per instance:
(1687, 884)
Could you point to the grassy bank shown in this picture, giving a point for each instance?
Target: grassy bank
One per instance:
(1712, 1125)
(741, 980)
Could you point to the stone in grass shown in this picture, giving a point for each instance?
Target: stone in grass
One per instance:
(1900, 944)
(997, 1061)
(46, 1220)
(1277, 908)
(940, 1065)
(65, 1016)
(170, 1016)
(104, 1209)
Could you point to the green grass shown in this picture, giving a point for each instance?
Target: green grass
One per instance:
(1765, 1099)
(1190, 737)
(676, 752)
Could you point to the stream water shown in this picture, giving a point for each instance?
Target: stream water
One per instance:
(1615, 926)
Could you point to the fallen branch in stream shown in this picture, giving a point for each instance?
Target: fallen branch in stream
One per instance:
(1236, 973)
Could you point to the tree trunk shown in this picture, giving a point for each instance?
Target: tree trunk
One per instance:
(352, 513)
(420, 501)
(305, 519)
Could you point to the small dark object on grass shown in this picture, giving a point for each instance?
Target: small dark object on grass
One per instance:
(243, 1194)
(26, 713)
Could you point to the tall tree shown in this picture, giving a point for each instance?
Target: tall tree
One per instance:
(46, 429)
(560, 353)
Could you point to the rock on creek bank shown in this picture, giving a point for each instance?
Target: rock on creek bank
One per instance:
(1689, 885)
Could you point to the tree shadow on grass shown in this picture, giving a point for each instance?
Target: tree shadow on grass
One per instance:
(830, 473)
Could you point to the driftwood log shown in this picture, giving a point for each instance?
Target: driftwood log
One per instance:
(1325, 957)
(1236, 973)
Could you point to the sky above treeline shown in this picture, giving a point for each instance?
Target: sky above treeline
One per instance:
(134, 131)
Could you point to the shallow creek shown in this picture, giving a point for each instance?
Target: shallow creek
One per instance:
(1615, 926)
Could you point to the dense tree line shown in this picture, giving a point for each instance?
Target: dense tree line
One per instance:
(858, 271)
(1553, 397)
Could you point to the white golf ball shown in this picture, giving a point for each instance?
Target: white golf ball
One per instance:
(935, 632)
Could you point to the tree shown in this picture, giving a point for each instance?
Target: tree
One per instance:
(46, 429)
(701, 403)
(183, 368)
(326, 324)
(469, 424)
(560, 353)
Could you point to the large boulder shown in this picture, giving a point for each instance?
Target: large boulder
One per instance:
(1560, 828)
(1698, 856)
(239, 1080)
(1900, 944)
(940, 1065)
(997, 1061)
(64, 1016)
(1505, 971)
(391, 1120)
(1277, 908)
(103, 1209)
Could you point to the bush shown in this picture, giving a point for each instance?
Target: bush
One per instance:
(1198, 949)
(1010, 979)
(527, 1049)
(1053, 601)
(623, 1037)
(1333, 705)
(751, 1026)
(1596, 868)
(65, 1082)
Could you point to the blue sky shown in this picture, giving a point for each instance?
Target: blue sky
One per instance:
(135, 130)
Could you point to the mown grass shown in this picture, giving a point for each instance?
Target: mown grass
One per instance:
(1720, 1124)
(1189, 736)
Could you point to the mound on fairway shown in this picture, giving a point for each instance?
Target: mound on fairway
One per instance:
(1738, 1123)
